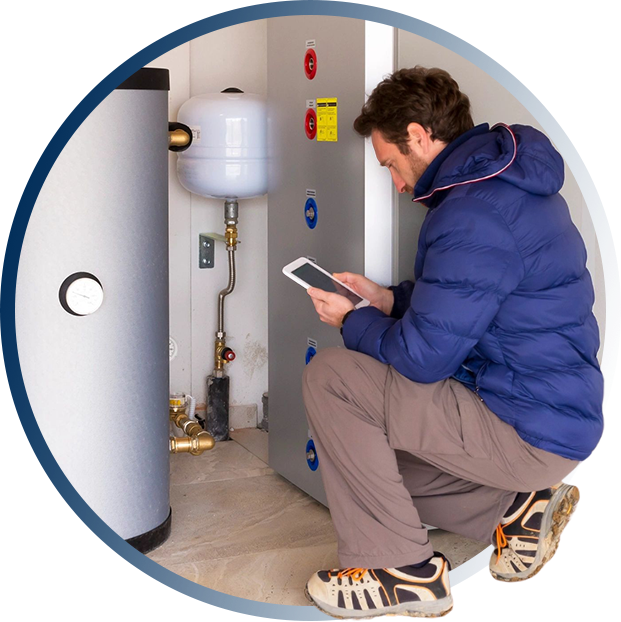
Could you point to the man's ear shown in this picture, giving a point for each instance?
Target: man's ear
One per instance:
(421, 143)
(418, 138)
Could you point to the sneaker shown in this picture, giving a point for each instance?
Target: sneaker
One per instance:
(529, 537)
(366, 593)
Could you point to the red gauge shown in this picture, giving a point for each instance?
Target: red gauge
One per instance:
(310, 123)
(310, 63)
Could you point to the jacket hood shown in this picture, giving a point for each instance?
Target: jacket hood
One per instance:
(517, 154)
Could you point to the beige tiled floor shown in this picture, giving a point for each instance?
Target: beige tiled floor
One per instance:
(240, 528)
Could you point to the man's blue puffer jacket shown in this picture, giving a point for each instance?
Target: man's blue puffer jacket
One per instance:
(502, 298)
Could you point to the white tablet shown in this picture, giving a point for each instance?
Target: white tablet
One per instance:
(309, 274)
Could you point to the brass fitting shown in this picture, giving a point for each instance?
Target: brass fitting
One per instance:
(193, 445)
(197, 440)
(230, 236)
(178, 138)
(220, 362)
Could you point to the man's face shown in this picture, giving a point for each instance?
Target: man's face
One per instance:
(405, 170)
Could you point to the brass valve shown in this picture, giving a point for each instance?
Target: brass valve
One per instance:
(223, 354)
(197, 440)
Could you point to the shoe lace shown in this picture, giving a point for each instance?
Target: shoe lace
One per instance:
(501, 539)
(355, 573)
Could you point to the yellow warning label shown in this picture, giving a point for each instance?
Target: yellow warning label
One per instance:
(327, 119)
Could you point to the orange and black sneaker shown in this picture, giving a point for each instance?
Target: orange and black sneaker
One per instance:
(528, 536)
(366, 593)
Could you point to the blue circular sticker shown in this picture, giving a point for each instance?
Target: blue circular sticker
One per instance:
(310, 353)
(124, 71)
(311, 456)
(310, 212)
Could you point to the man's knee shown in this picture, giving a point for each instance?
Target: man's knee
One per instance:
(320, 377)
(325, 365)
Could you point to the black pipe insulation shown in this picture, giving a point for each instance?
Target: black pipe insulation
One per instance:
(217, 415)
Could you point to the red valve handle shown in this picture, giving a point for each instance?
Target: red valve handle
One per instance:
(228, 354)
(310, 63)
(310, 123)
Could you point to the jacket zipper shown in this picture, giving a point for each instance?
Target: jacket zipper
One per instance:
(476, 382)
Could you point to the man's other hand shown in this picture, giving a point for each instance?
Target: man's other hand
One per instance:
(379, 297)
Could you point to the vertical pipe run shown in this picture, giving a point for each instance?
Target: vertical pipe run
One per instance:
(217, 416)
(231, 208)
(227, 291)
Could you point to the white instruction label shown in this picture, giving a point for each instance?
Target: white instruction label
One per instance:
(312, 343)
(196, 133)
(310, 103)
(311, 43)
(311, 193)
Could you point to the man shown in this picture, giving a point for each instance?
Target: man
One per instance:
(464, 397)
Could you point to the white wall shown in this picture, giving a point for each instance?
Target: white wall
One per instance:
(234, 56)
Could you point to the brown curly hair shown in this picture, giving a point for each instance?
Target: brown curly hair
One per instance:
(429, 97)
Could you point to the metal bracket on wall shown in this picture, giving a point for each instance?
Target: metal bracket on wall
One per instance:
(207, 249)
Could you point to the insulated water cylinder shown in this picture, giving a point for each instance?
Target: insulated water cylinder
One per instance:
(92, 310)
(228, 155)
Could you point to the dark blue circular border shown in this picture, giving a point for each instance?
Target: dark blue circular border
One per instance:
(313, 465)
(311, 222)
(16, 236)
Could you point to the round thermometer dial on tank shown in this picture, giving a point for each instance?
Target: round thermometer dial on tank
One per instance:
(81, 294)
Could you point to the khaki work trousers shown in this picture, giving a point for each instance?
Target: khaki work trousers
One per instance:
(394, 454)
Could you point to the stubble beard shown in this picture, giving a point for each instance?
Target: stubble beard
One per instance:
(417, 167)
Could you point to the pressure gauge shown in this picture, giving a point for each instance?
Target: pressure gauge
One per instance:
(81, 294)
